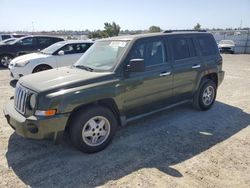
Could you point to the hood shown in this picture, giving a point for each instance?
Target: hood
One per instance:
(64, 77)
(226, 45)
(28, 57)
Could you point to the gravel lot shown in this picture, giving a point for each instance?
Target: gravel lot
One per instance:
(180, 147)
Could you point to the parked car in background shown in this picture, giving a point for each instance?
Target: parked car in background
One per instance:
(7, 41)
(60, 54)
(5, 36)
(25, 45)
(116, 81)
(227, 46)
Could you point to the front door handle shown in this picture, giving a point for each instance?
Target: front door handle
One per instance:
(165, 73)
(196, 66)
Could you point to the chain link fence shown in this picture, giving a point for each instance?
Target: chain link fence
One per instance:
(241, 39)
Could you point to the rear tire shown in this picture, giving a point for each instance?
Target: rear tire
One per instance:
(92, 130)
(205, 96)
(40, 68)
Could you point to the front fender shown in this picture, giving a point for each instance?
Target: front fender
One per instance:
(66, 100)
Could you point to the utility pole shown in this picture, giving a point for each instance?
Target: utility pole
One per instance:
(33, 28)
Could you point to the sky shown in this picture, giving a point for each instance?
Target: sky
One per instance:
(50, 15)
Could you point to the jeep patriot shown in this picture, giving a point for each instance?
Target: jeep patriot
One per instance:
(117, 80)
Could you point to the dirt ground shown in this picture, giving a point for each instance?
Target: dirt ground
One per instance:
(180, 147)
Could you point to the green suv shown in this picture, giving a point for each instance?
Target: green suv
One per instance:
(117, 80)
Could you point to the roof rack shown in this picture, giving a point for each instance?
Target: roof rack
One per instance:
(187, 30)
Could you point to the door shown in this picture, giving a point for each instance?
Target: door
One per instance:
(152, 89)
(72, 52)
(186, 67)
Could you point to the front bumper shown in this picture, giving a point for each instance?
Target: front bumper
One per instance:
(35, 127)
(221, 75)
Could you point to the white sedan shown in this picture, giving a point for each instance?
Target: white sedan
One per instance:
(60, 54)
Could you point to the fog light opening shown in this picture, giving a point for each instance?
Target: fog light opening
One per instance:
(32, 128)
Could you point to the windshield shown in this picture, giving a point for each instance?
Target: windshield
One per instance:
(54, 47)
(8, 41)
(102, 55)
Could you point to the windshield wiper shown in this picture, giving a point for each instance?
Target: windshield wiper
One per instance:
(84, 67)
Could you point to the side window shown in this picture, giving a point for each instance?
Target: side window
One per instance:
(43, 41)
(155, 53)
(68, 49)
(192, 48)
(207, 46)
(151, 51)
(54, 40)
(81, 48)
(5, 37)
(138, 51)
(180, 48)
(27, 41)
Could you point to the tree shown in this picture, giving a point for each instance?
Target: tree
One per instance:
(197, 26)
(110, 30)
(154, 29)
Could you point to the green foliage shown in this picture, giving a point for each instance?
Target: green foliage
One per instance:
(197, 26)
(154, 29)
(110, 30)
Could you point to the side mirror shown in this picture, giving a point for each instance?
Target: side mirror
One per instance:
(61, 52)
(136, 65)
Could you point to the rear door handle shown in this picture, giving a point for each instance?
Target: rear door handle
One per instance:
(165, 73)
(196, 66)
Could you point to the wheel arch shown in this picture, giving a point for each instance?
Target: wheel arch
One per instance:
(41, 64)
(106, 102)
(207, 75)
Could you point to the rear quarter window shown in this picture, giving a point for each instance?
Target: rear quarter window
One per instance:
(207, 45)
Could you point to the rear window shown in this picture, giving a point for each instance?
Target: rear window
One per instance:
(207, 45)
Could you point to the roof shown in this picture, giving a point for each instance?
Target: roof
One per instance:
(137, 36)
(41, 36)
(76, 41)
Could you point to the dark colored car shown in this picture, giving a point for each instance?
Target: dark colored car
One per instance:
(24, 45)
(116, 81)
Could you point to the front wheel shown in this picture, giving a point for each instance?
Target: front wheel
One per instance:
(5, 60)
(92, 130)
(40, 68)
(205, 96)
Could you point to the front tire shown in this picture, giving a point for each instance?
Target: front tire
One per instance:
(40, 68)
(5, 60)
(205, 95)
(91, 130)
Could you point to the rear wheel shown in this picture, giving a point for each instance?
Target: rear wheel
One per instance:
(205, 96)
(92, 130)
(40, 68)
(5, 60)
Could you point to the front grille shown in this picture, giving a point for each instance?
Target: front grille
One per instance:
(20, 99)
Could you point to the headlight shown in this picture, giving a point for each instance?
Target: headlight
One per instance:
(32, 101)
(22, 64)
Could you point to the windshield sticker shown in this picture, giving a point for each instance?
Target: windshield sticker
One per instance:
(117, 44)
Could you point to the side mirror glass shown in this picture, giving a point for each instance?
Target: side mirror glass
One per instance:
(136, 65)
(61, 52)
